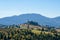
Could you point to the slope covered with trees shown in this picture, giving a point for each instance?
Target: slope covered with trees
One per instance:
(37, 32)
(27, 34)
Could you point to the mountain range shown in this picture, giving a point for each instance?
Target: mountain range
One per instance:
(23, 18)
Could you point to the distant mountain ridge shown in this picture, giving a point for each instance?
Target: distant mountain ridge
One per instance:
(23, 18)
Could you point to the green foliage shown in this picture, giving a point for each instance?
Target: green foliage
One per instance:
(15, 32)
(26, 34)
(32, 23)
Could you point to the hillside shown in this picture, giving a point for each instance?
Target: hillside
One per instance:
(28, 34)
(29, 31)
(42, 20)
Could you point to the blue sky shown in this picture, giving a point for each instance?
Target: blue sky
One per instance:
(48, 8)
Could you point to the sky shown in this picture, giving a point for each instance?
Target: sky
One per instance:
(48, 8)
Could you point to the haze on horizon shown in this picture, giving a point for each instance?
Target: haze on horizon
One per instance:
(48, 8)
